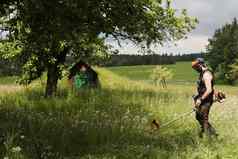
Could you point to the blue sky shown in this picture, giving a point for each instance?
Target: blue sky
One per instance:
(212, 14)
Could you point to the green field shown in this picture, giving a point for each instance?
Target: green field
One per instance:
(114, 122)
(182, 72)
(8, 80)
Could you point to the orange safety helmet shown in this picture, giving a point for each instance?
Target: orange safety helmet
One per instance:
(196, 62)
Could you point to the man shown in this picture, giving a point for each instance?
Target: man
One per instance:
(82, 76)
(204, 100)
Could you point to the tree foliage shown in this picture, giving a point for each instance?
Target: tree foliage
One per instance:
(222, 51)
(45, 32)
(233, 73)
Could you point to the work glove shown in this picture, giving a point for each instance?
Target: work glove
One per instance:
(198, 103)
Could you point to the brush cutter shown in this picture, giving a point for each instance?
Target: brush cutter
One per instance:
(159, 126)
(218, 97)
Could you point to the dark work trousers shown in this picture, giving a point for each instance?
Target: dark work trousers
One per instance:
(202, 116)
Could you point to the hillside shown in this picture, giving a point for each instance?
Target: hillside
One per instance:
(113, 122)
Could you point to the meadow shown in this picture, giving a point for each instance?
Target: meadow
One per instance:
(181, 70)
(114, 121)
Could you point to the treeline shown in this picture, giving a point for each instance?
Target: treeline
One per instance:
(9, 68)
(153, 59)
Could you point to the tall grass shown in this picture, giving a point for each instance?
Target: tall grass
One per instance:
(111, 122)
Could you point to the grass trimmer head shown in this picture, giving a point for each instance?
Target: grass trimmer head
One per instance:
(155, 124)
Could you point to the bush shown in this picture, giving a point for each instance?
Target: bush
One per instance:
(160, 75)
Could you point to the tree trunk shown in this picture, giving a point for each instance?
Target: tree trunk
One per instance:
(52, 80)
(54, 73)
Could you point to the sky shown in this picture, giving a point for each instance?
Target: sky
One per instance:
(212, 14)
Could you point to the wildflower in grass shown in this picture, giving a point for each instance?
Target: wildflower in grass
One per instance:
(16, 149)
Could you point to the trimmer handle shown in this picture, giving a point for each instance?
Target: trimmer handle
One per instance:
(195, 97)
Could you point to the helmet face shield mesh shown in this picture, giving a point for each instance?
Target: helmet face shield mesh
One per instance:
(195, 64)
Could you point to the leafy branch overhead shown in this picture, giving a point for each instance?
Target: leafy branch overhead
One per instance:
(48, 31)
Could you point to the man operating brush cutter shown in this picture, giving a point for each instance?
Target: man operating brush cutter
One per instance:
(204, 99)
(217, 97)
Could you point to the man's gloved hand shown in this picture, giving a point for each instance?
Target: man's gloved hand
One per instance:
(198, 103)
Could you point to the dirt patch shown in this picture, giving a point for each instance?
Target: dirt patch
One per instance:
(9, 88)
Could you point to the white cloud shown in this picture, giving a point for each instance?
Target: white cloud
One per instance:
(193, 44)
(212, 14)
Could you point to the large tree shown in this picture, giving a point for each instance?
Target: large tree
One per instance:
(222, 51)
(44, 32)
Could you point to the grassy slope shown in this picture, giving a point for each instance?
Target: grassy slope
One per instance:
(182, 72)
(114, 122)
(184, 77)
